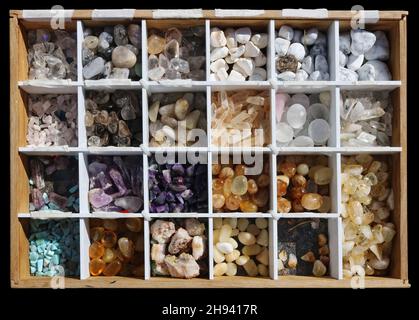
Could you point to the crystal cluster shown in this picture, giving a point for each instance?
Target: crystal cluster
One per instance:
(235, 190)
(179, 248)
(367, 203)
(54, 184)
(238, 55)
(177, 119)
(240, 118)
(241, 247)
(52, 55)
(113, 119)
(52, 120)
(116, 247)
(363, 56)
(54, 247)
(303, 247)
(116, 183)
(301, 55)
(177, 187)
(302, 121)
(176, 54)
(112, 52)
(303, 184)
(366, 119)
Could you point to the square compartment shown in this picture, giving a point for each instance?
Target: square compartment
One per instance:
(324, 194)
(117, 182)
(228, 167)
(57, 188)
(168, 190)
(180, 242)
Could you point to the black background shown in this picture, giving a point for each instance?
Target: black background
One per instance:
(272, 303)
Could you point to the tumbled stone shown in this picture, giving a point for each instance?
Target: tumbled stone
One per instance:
(122, 57)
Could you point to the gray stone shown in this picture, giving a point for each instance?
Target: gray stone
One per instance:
(362, 41)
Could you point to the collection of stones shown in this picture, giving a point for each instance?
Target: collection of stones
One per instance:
(240, 118)
(235, 190)
(177, 187)
(367, 203)
(176, 54)
(363, 56)
(53, 184)
(115, 183)
(113, 119)
(303, 247)
(238, 55)
(302, 121)
(241, 247)
(112, 52)
(174, 118)
(117, 247)
(52, 55)
(366, 119)
(303, 184)
(179, 248)
(52, 120)
(301, 55)
(54, 247)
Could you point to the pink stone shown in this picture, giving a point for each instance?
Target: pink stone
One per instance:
(281, 100)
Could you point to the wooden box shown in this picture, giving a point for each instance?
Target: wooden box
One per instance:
(331, 22)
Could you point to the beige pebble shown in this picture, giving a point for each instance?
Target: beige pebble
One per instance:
(233, 243)
(220, 269)
(218, 256)
(263, 238)
(235, 232)
(251, 250)
(242, 260)
(242, 224)
(251, 268)
(246, 238)
(253, 229)
(263, 270)
(224, 247)
(218, 222)
(231, 221)
(292, 261)
(261, 223)
(231, 269)
(232, 256)
(263, 257)
(216, 236)
(225, 232)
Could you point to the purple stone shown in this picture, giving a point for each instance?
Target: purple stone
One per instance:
(37, 173)
(37, 199)
(178, 169)
(96, 167)
(161, 199)
(166, 176)
(108, 208)
(170, 197)
(98, 198)
(177, 188)
(130, 203)
(162, 208)
(104, 181)
(118, 180)
(58, 200)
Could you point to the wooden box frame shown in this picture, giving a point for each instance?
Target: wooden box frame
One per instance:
(394, 22)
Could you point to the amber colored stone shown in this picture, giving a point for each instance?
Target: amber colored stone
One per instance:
(296, 206)
(109, 239)
(96, 250)
(312, 201)
(218, 201)
(288, 168)
(281, 187)
(216, 169)
(239, 185)
(248, 206)
(298, 180)
(232, 202)
(134, 224)
(239, 169)
(109, 255)
(96, 266)
(296, 192)
(97, 233)
(217, 186)
(110, 224)
(126, 247)
(263, 181)
(283, 205)
(252, 187)
(155, 44)
(261, 197)
(113, 268)
(226, 172)
(227, 187)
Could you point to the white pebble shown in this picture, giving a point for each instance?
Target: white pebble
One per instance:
(259, 74)
(282, 46)
(297, 50)
(230, 35)
(310, 36)
(260, 40)
(243, 35)
(355, 62)
(343, 59)
(217, 38)
(301, 75)
(220, 269)
(224, 247)
(251, 51)
(286, 76)
(231, 269)
(218, 53)
(218, 64)
(260, 60)
(235, 76)
(286, 32)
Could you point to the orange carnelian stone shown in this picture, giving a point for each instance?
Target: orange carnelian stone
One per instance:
(248, 206)
(297, 192)
(239, 169)
(218, 201)
(96, 250)
(252, 187)
(288, 168)
(96, 266)
(97, 233)
(113, 268)
(216, 168)
(232, 202)
(281, 187)
(217, 186)
(284, 205)
(109, 239)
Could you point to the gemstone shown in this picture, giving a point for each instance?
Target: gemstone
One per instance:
(311, 201)
(96, 266)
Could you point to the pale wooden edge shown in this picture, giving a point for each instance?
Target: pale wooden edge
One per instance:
(210, 14)
(217, 282)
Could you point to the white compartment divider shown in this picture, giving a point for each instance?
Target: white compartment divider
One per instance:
(64, 86)
(210, 249)
(144, 51)
(270, 62)
(333, 50)
(80, 39)
(145, 119)
(147, 256)
(207, 49)
(273, 249)
(338, 189)
(209, 119)
(146, 208)
(55, 150)
(83, 184)
(334, 164)
(111, 150)
(335, 247)
(369, 85)
(81, 113)
(112, 84)
(84, 249)
(334, 118)
(210, 162)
